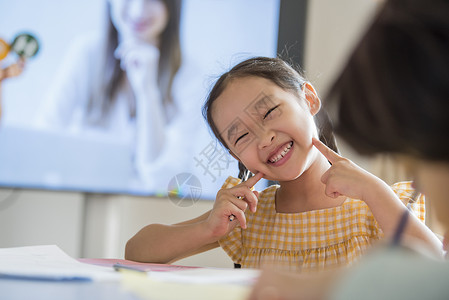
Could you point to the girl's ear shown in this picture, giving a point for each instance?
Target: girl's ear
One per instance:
(311, 97)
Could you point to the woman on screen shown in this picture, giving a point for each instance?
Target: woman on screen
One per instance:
(131, 84)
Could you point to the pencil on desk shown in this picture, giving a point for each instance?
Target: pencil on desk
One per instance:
(120, 267)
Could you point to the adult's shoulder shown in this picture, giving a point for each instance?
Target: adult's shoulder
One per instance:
(394, 274)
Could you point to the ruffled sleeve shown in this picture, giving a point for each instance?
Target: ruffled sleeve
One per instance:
(406, 192)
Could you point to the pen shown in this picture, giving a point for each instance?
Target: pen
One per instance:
(404, 218)
(119, 267)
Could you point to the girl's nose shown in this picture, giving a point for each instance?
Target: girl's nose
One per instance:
(266, 138)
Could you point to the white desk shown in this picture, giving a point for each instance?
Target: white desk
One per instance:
(44, 272)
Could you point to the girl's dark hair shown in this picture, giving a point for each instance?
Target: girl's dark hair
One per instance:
(280, 73)
(112, 75)
(393, 94)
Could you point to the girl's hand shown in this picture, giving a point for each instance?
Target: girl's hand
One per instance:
(232, 201)
(346, 178)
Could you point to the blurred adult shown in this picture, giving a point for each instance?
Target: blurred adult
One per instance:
(392, 97)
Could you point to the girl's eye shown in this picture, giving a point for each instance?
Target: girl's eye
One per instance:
(270, 111)
(240, 137)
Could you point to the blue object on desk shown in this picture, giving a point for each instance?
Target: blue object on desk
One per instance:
(44, 277)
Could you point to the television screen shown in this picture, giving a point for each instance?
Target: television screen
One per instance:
(48, 141)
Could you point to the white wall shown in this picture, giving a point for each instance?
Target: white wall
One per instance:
(29, 217)
(112, 220)
(91, 226)
(332, 29)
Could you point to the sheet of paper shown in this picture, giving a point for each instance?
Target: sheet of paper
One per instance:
(208, 276)
(49, 262)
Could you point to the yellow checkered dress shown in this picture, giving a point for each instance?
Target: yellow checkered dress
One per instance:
(307, 241)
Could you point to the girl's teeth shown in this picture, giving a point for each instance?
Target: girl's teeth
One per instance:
(282, 154)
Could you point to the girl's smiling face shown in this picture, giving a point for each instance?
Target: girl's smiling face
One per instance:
(268, 129)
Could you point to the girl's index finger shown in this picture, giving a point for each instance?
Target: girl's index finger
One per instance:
(253, 180)
(330, 154)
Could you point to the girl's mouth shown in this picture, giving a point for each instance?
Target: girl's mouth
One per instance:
(280, 154)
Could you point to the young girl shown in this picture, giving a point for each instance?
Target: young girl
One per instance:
(264, 113)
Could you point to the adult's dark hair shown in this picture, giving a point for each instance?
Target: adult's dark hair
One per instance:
(280, 73)
(393, 94)
(112, 74)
